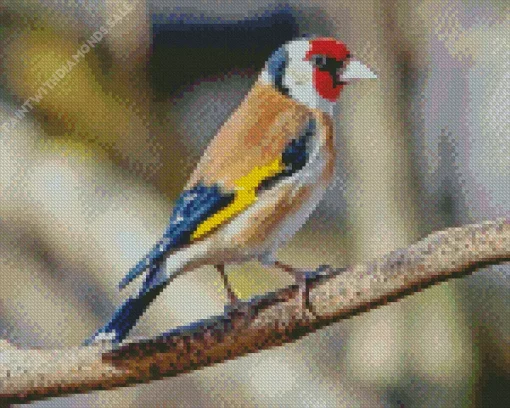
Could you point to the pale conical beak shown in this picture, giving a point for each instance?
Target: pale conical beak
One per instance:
(356, 70)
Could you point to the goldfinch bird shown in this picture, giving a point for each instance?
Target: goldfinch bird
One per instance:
(259, 179)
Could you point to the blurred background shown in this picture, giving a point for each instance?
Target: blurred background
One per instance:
(89, 170)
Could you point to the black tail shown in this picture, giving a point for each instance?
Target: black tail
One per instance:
(126, 316)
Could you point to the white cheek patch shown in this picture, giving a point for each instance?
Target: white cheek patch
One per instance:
(298, 69)
(299, 73)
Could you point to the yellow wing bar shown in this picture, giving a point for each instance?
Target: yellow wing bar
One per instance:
(245, 195)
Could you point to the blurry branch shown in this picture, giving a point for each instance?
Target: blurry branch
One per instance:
(266, 321)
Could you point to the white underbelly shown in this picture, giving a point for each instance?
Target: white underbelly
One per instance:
(293, 223)
(309, 177)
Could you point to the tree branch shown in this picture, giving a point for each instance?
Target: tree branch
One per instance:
(266, 321)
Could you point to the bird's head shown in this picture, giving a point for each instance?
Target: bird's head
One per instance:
(313, 71)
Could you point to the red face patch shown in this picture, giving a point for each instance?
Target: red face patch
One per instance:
(325, 82)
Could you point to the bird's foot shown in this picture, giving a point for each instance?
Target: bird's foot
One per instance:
(233, 299)
(303, 278)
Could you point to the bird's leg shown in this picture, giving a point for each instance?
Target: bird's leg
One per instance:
(232, 297)
(300, 278)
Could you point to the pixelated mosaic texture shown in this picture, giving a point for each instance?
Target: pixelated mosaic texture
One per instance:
(91, 166)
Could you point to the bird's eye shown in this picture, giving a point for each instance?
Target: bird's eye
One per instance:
(319, 61)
